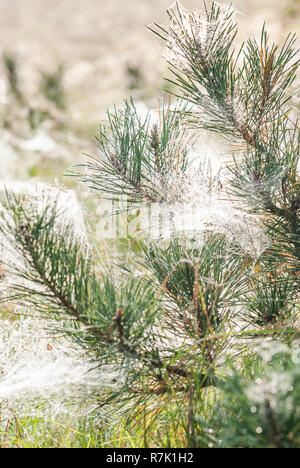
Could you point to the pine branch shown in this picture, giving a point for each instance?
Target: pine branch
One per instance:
(55, 276)
(203, 282)
(238, 103)
(138, 159)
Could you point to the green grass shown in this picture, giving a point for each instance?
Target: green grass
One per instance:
(87, 432)
(167, 421)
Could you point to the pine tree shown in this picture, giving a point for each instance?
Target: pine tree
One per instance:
(169, 319)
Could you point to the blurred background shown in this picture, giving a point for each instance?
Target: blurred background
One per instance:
(64, 62)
